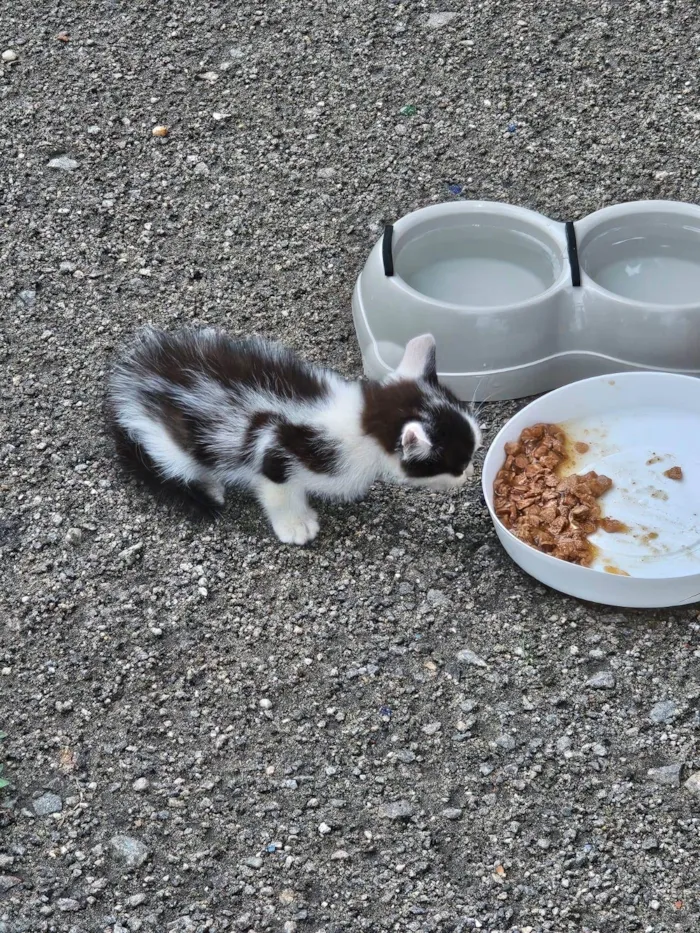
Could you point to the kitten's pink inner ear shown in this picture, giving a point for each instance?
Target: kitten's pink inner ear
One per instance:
(414, 441)
(418, 358)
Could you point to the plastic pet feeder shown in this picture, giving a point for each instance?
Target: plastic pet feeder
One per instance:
(520, 304)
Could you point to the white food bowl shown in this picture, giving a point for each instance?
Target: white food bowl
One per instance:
(520, 304)
(637, 426)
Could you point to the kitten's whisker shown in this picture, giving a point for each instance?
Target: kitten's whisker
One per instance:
(484, 402)
(476, 392)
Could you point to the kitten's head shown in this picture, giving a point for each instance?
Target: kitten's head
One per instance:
(424, 426)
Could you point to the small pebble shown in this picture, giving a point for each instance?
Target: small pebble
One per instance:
(136, 900)
(129, 554)
(437, 20)
(131, 851)
(324, 829)
(67, 268)
(603, 680)
(47, 804)
(265, 704)
(74, 536)
(431, 728)
(141, 784)
(67, 904)
(9, 56)
(64, 163)
(664, 712)
(339, 855)
(159, 131)
(506, 742)
(201, 168)
(692, 785)
(452, 813)
(399, 810)
(467, 656)
(666, 775)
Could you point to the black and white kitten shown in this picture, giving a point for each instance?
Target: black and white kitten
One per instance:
(196, 411)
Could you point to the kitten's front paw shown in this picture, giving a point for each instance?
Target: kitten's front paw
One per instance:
(296, 529)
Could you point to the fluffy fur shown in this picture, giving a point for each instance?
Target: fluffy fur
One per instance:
(195, 412)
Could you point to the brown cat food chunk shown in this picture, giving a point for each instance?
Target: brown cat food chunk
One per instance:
(674, 473)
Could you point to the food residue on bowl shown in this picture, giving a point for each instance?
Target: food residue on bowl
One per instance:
(674, 473)
(611, 525)
(581, 448)
(610, 568)
(546, 510)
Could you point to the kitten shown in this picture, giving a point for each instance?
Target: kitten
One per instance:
(196, 411)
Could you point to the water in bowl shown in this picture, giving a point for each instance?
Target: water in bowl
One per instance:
(478, 266)
(661, 267)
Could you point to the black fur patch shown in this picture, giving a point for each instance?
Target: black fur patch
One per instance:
(310, 448)
(387, 408)
(178, 357)
(453, 446)
(275, 465)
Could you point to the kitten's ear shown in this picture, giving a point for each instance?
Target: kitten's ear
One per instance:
(418, 360)
(415, 443)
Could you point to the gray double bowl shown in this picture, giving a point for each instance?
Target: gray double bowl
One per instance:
(520, 304)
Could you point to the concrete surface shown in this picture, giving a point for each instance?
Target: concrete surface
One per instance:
(207, 731)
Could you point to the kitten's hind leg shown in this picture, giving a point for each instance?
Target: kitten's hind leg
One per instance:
(292, 518)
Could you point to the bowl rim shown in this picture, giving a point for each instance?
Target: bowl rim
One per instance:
(500, 528)
(625, 212)
(551, 229)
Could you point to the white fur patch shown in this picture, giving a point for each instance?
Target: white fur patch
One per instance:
(172, 461)
(417, 357)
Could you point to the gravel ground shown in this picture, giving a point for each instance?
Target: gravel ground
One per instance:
(206, 730)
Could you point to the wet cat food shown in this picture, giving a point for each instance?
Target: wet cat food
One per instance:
(546, 510)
